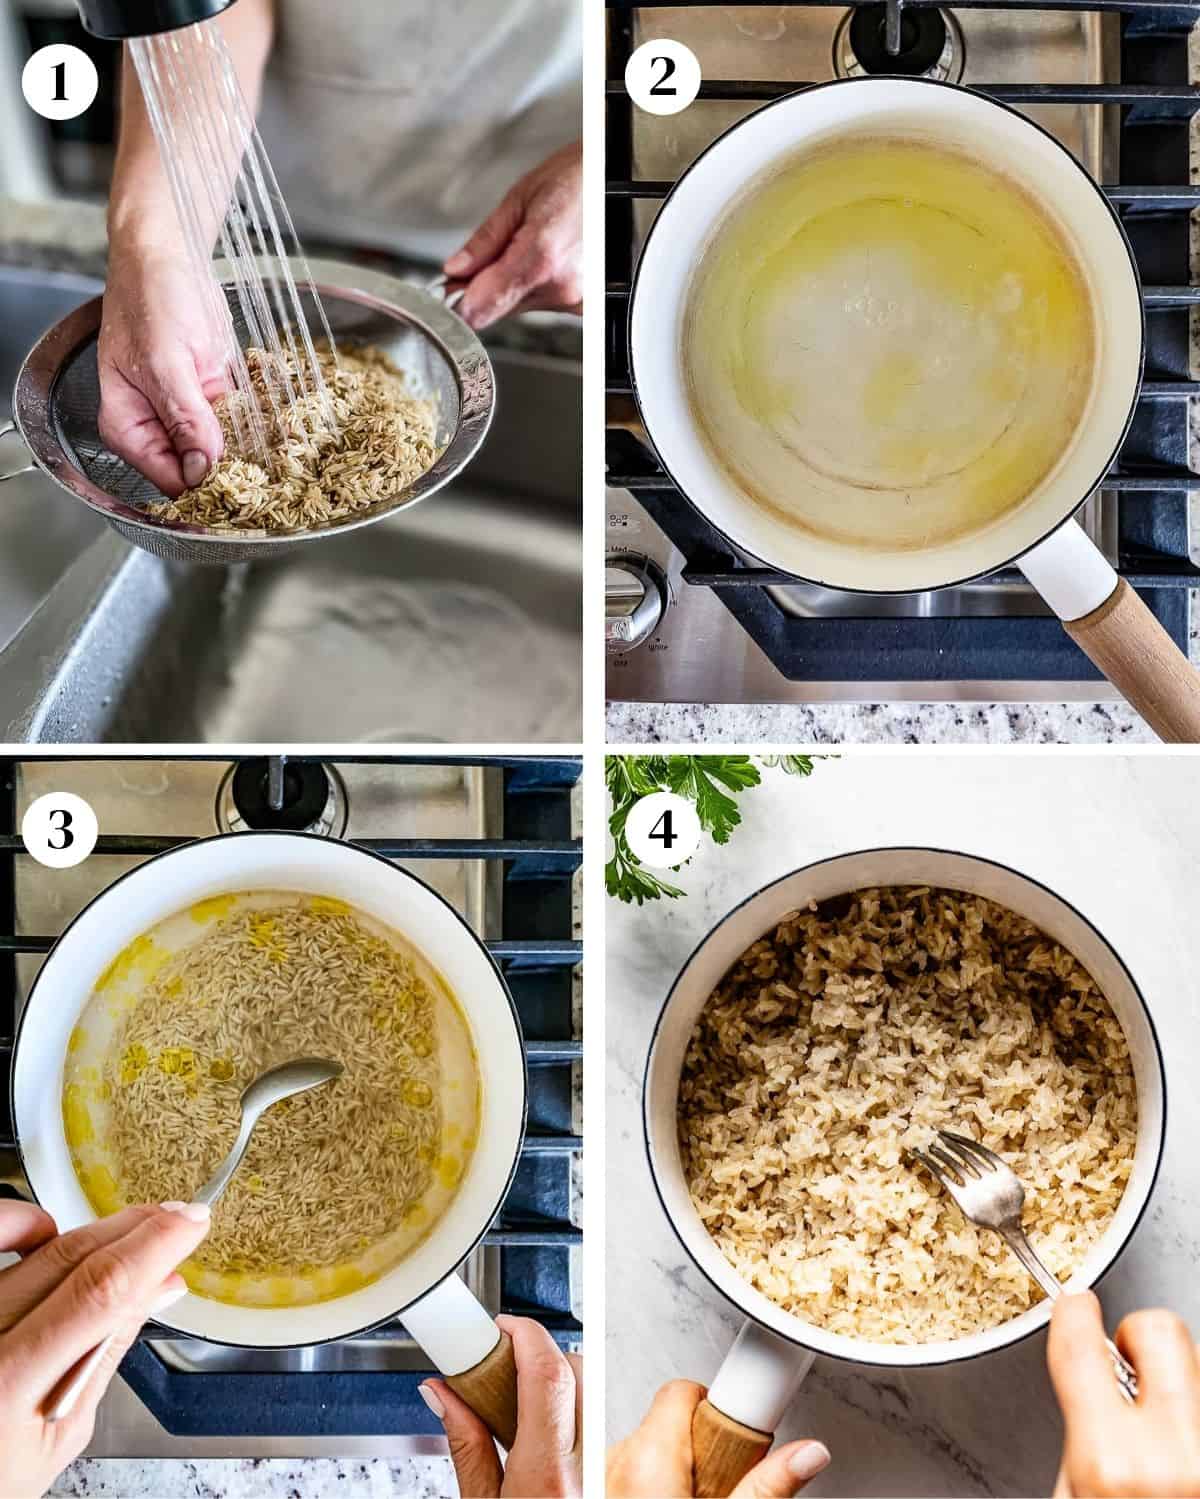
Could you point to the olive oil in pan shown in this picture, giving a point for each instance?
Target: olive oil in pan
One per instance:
(888, 344)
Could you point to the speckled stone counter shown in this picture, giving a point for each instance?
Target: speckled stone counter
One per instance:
(883, 723)
(260, 1478)
(876, 723)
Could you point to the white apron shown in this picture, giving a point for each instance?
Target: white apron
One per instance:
(400, 124)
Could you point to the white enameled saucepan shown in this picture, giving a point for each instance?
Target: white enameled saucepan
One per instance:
(1102, 614)
(774, 1350)
(439, 1311)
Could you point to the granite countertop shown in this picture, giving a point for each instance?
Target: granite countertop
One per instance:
(1116, 836)
(258, 1478)
(877, 723)
(885, 723)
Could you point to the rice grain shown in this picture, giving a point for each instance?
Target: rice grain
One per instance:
(852, 1032)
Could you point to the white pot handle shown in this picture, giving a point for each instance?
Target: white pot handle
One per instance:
(734, 1427)
(473, 1355)
(1111, 625)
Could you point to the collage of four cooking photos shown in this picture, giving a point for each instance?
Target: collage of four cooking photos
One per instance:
(870, 783)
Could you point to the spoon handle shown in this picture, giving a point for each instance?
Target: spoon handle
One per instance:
(69, 1395)
(223, 1175)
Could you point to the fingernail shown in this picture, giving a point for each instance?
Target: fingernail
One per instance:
(431, 1400)
(195, 1212)
(808, 1461)
(458, 262)
(168, 1298)
(195, 467)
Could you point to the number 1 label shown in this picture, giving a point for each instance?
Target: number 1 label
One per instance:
(59, 81)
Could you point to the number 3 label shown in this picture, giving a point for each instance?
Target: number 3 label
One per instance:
(59, 830)
(662, 77)
(59, 81)
(663, 829)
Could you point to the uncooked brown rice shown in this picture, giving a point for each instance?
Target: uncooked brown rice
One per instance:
(327, 1173)
(854, 1030)
(384, 440)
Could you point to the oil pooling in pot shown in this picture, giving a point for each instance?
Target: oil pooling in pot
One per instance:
(332, 1192)
(888, 344)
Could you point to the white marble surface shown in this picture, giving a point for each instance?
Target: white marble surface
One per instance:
(1119, 836)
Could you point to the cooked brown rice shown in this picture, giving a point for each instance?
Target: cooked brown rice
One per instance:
(328, 1174)
(385, 439)
(856, 1029)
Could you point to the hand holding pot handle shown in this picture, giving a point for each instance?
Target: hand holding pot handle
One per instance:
(723, 1451)
(734, 1427)
(474, 1357)
(490, 1389)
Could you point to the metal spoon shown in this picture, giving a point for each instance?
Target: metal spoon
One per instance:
(268, 1088)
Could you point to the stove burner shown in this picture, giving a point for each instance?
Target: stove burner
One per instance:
(931, 44)
(295, 796)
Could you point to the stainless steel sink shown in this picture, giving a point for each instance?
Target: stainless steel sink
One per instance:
(458, 621)
(42, 530)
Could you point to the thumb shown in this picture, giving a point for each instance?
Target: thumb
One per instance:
(783, 1472)
(175, 392)
(490, 240)
(472, 1450)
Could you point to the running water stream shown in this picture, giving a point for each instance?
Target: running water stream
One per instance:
(226, 196)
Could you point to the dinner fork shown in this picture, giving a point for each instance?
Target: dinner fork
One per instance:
(990, 1194)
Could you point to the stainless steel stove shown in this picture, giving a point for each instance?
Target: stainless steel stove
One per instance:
(498, 837)
(692, 620)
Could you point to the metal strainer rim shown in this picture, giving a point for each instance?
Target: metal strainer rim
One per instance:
(417, 306)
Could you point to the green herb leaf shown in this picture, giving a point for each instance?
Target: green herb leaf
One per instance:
(710, 782)
(793, 765)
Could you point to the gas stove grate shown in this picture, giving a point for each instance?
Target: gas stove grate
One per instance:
(1151, 476)
(534, 1233)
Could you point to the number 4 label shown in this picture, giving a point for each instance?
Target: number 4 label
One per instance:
(59, 830)
(662, 77)
(663, 829)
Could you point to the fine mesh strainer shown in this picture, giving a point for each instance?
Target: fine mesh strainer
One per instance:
(57, 399)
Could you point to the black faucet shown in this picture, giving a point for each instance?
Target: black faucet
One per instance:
(114, 20)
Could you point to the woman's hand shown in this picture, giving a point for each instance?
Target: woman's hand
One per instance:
(528, 255)
(1113, 1448)
(655, 1462)
(161, 367)
(546, 1457)
(66, 1295)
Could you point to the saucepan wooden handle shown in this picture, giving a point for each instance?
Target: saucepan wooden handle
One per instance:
(490, 1389)
(1137, 656)
(723, 1451)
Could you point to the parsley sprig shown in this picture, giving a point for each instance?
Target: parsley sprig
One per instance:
(710, 782)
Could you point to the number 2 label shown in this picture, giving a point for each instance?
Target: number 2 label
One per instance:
(662, 77)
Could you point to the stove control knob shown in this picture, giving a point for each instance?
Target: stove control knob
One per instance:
(635, 595)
